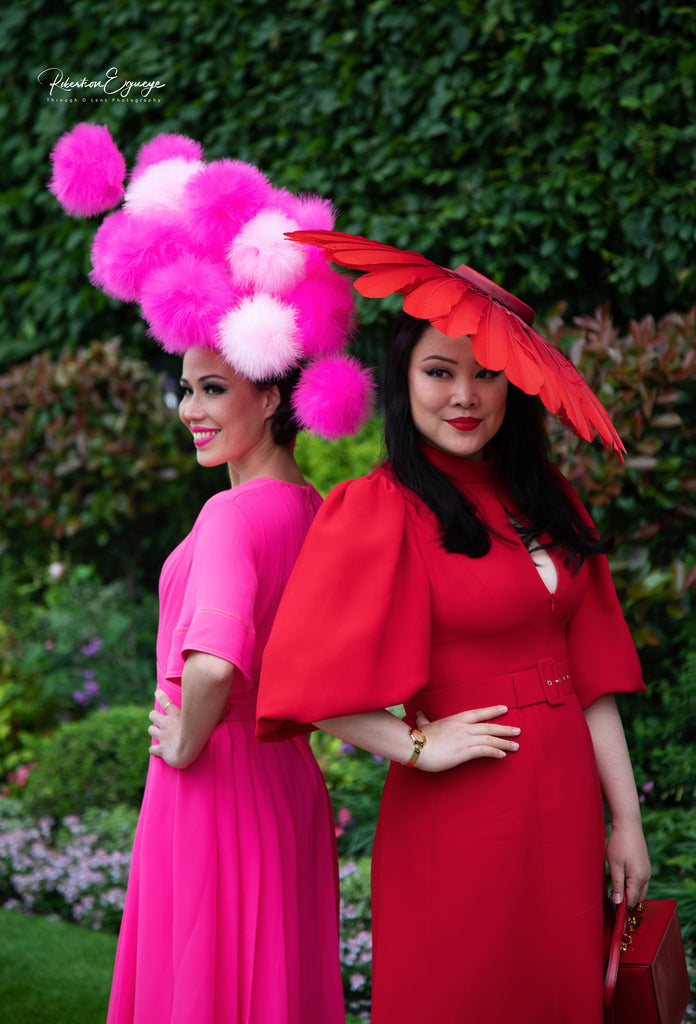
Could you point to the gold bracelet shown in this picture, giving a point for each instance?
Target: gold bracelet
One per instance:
(418, 740)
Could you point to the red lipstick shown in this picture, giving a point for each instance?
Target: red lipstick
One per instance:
(464, 423)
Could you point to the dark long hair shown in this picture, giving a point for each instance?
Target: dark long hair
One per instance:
(522, 462)
(284, 425)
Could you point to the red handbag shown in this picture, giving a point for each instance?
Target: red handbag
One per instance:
(646, 981)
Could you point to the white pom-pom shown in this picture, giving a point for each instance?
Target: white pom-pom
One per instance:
(263, 259)
(160, 186)
(260, 337)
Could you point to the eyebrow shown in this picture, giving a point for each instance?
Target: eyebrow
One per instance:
(207, 376)
(441, 359)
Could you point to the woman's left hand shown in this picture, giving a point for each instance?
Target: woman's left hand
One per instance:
(629, 863)
(166, 729)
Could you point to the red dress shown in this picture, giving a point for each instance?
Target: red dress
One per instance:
(488, 878)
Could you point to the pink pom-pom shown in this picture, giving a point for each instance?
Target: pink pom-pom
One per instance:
(262, 258)
(127, 249)
(219, 200)
(260, 337)
(88, 171)
(333, 396)
(160, 186)
(166, 146)
(312, 212)
(325, 304)
(183, 302)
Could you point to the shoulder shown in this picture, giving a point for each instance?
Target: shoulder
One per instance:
(374, 509)
(567, 490)
(237, 509)
(256, 497)
(366, 494)
(228, 504)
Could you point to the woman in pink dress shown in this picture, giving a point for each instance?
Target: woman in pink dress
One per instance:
(231, 914)
(231, 909)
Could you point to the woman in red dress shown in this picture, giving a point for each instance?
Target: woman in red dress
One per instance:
(465, 580)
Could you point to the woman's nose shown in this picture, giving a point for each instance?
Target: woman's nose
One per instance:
(190, 409)
(465, 395)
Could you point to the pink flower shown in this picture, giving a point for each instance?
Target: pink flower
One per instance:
(22, 774)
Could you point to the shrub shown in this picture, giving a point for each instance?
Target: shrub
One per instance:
(93, 644)
(355, 942)
(68, 872)
(671, 836)
(355, 780)
(647, 381)
(90, 454)
(100, 761)
(70, 644)
(327, 463)
(662, 736)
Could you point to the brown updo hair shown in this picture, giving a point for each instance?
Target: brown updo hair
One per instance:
(284, 425)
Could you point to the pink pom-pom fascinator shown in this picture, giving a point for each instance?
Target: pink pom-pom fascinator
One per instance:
(203, 248)
(463, 302)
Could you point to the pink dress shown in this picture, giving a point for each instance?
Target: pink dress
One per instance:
(231, 914)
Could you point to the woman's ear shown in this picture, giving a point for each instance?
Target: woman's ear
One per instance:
(272, 400)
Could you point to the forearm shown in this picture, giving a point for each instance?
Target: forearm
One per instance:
(205, 687)
(627, 852)
(448, 741)
(379, 732)
(613, 760)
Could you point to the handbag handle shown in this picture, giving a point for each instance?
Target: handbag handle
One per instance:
(612, 971)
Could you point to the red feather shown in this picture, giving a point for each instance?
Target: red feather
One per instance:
(500, 339)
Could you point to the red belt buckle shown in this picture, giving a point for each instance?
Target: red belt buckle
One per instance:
(550, 682)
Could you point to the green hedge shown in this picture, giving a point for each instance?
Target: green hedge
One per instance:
(100, 761)
(550, 146)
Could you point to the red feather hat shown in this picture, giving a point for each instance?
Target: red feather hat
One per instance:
(463, 302)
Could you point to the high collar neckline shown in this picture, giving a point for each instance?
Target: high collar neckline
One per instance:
(460, 471)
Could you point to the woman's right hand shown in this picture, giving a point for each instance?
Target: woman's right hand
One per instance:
(463, 737)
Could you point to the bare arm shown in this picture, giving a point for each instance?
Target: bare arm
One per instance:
(627, 853)
(205, 686)
(449, 741)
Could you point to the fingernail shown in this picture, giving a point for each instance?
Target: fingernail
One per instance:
(515, 746)
(517, 731)
(616, 897)
(501, 707)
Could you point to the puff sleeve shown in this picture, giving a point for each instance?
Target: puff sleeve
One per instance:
(352, 633)
(217, 606)
(601, 651)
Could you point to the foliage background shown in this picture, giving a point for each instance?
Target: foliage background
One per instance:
(552, 148)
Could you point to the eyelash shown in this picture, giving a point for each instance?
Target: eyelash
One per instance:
(185, 390)
(440, 373)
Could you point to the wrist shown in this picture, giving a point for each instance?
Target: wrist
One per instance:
(184, 752)
(418, 740)
(626, 822)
